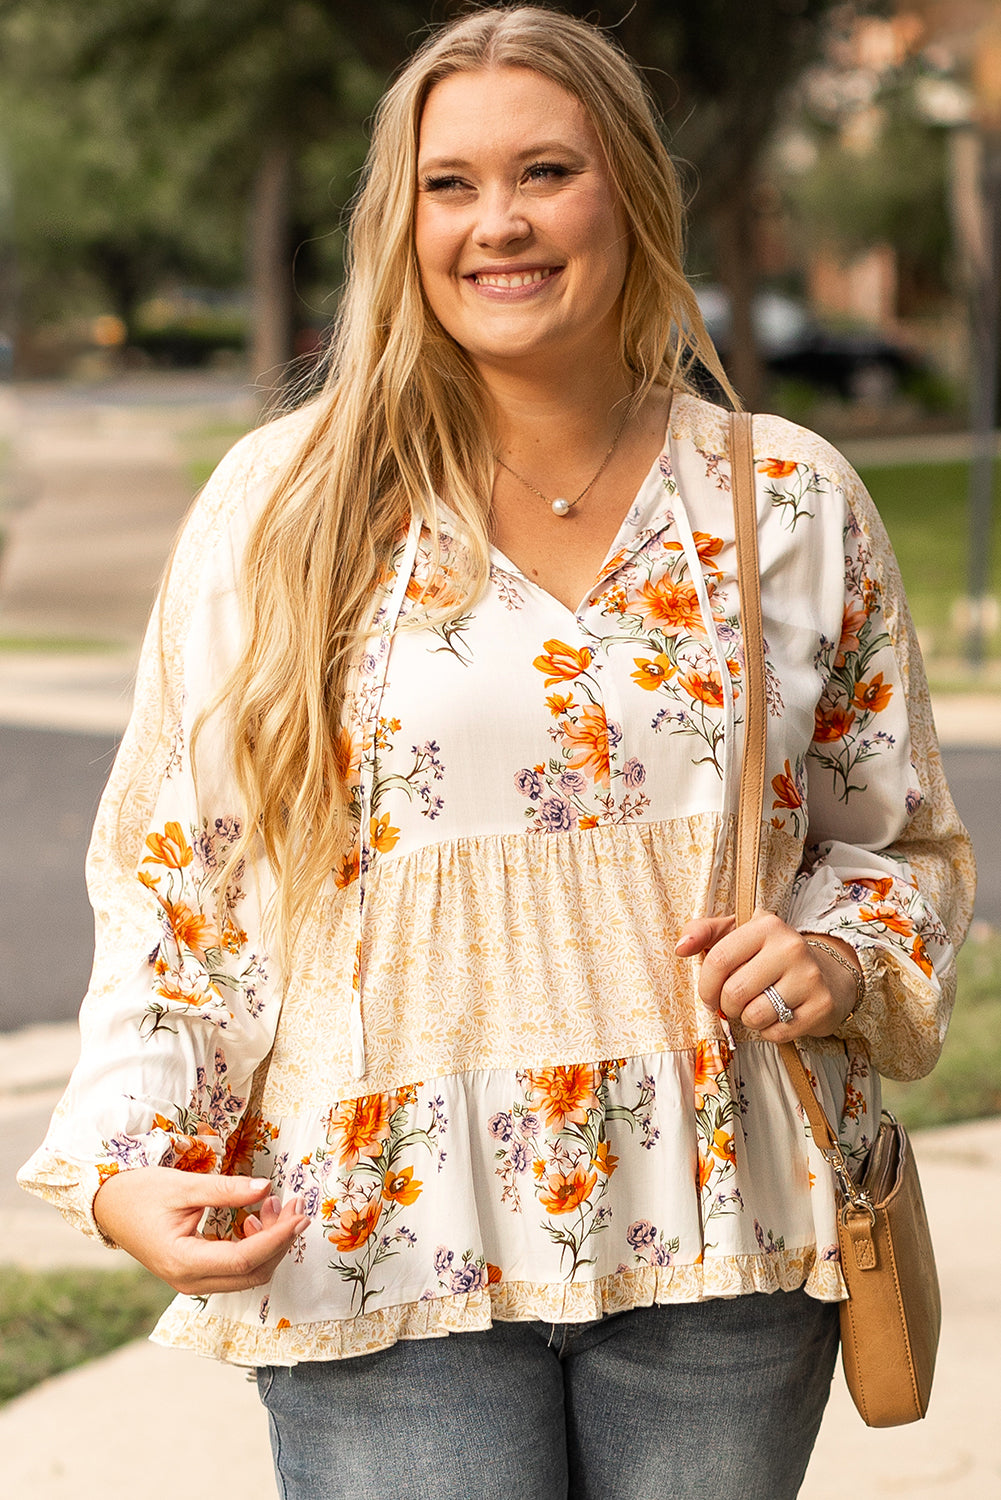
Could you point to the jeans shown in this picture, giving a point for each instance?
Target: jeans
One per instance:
(717, 1400)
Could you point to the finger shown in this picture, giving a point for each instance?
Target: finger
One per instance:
(702, 933)
(251, 1225)
(199, 1266)
(211, 1190)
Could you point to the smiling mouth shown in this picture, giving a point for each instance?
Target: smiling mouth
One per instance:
(512, 278)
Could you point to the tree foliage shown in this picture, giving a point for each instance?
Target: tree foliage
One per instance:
(168, 118)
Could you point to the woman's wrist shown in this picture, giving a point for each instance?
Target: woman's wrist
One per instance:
(839, 963)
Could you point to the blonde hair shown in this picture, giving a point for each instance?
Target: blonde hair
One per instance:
(403, 416)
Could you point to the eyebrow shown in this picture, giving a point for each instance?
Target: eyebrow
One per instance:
(545, 148)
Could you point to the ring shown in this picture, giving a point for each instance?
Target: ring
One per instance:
(778, 1004)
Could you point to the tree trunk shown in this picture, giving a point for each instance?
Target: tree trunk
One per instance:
(270, 256)
(733, 227)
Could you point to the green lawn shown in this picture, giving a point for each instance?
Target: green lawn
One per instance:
(924, 509)
(966, 1084)
(52, 1320)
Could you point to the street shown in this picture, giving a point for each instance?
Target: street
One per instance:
(50, 782)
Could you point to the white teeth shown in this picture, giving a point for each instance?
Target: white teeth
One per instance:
(524, 278)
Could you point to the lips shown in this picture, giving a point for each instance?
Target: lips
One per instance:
(511, 280)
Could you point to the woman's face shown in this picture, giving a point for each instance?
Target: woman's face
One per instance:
(520, 238)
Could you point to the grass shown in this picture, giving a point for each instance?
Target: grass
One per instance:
(61, 644)
(924, 509)
(966, 1084)
(205, 445)
(53, 1320)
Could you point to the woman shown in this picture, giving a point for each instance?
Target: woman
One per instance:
(432, 928)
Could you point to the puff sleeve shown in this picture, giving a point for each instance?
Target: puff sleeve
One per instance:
(183, 1000)
(888, 865)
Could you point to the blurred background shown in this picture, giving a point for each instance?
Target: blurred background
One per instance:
(174, 181)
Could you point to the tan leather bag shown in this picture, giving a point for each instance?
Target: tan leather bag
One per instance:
(890, 1323)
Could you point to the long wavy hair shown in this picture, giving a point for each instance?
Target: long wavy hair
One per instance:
(403, 416)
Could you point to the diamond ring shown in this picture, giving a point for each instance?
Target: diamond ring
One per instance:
(778, 1004)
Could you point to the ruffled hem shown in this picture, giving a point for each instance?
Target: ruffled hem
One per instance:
(186, 1325)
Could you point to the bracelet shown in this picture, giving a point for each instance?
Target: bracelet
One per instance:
(856, 973)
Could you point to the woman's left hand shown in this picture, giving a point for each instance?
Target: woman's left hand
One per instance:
(739, 962)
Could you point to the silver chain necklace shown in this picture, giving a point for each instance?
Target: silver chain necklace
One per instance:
(560, 506)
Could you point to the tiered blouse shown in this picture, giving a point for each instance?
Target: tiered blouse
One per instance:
(486, 1071)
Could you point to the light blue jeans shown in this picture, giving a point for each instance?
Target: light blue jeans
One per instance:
(716, 1400)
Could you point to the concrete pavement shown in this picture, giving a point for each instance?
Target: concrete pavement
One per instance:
(99, 488)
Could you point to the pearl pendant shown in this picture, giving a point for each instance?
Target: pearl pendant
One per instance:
(561, 507)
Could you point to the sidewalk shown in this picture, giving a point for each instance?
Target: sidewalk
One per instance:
(100, 489)
(169, 1441)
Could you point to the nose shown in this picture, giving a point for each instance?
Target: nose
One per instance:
(500, 221)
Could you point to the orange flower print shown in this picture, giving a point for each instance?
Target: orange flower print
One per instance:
(400, 1187)
(355, 1227)
(384, 836)
(777, 468)
(149, 881)
(872, 697)
(587, 821)
(106, 1169)
(889, 916)
(282, 1324)
(723, 1146)
(565, 1094)
(347, 755)
(348, 873)
(494, 1274)
(169, 848)
(190, 928)
(711, 1059)
(785, 791)
(919, 953)
(196, 1156)
(830, 723)
(604, 1160)
(706, 688)
(852, 624)
(562, 662)
(881, 888)
(560, 704)
(360, 1126)
(706, 546)
(565, 1192)
(652, 673)
(707, 1166)
(244, 1142)
(670, 607)
(588, 739)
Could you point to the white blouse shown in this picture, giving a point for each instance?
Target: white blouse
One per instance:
(486, 1071)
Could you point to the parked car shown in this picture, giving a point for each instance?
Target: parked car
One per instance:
(858, 364)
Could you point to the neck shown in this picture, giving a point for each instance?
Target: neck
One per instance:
(583, 407)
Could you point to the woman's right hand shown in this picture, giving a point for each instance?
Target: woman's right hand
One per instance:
(154, 1214)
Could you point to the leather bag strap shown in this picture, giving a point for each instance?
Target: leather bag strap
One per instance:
(752, 769)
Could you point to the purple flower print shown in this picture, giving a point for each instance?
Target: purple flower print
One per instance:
(469, 1279)
(528, 1126)
(571, 782)
(528, 783)
(518, 1156)
(442, 1259)
(500, 1127)
(557, 815)
(633, 773)
(614, 732)
(642, 1234)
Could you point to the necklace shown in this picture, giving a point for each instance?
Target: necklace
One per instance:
(560, 506)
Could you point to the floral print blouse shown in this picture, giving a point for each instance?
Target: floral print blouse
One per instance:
(487, 1072)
